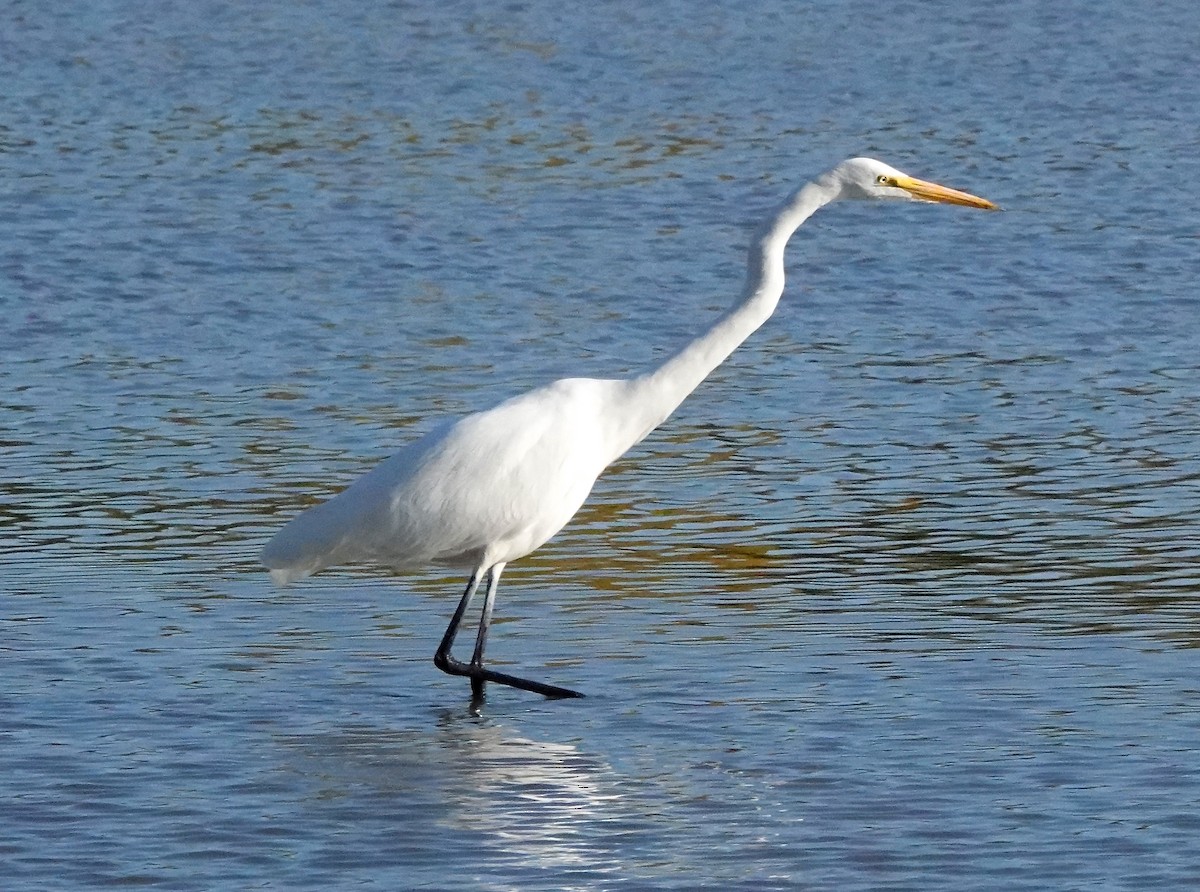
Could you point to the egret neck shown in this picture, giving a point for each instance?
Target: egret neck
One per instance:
(652, 397)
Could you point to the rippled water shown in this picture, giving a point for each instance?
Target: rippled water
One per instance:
(904, 597)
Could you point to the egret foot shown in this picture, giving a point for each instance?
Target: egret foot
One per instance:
(479, 675)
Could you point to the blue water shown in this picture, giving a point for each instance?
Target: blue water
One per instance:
(904, 597)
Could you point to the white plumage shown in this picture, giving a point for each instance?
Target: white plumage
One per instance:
(425, 505)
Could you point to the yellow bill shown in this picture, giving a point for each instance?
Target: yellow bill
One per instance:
(925, 191)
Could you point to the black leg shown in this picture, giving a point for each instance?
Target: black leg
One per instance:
(485, 623)
(475, 670)
(443, 659)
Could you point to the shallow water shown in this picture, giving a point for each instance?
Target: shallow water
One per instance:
(905, 596)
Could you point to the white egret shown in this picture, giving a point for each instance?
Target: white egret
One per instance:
(489, 488)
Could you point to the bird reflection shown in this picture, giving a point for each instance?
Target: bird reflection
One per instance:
(467, 782)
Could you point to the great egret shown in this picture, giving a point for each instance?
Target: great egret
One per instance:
(489, 488)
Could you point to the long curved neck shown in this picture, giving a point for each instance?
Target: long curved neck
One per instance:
(656, 394)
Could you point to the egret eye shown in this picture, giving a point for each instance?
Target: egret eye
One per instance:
(884, 180)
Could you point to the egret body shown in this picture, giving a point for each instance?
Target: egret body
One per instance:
(486, 489)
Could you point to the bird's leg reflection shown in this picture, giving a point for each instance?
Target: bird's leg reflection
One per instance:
(475, 670)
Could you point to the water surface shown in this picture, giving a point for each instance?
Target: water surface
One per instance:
(905, 596)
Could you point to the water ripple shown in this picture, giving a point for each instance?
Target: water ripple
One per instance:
(905, 596)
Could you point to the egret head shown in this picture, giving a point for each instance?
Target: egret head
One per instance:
(866, 178)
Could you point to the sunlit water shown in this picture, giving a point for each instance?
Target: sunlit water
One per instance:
(904, 597)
